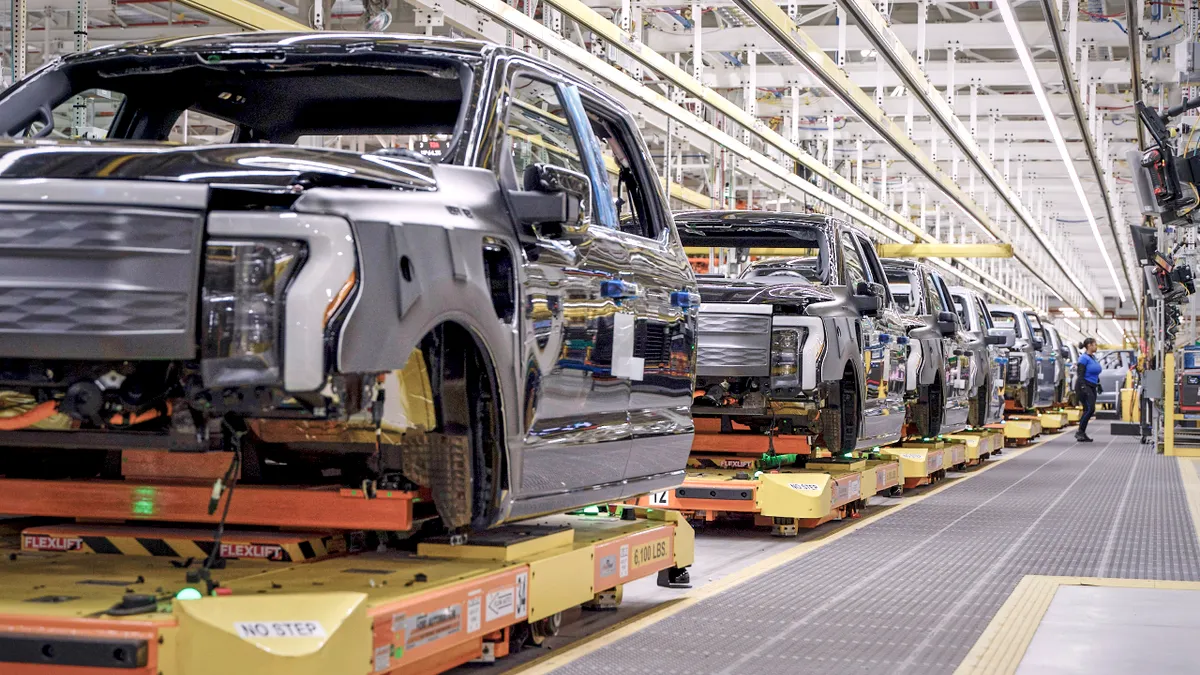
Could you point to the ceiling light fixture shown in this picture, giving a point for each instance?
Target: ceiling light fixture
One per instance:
(1035, 82)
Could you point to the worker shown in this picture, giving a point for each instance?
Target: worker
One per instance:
(1088, 386)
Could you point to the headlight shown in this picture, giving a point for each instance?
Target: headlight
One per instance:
(242, 310)
(785, 358)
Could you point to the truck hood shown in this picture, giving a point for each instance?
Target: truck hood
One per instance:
(754, 292)
(245, 166)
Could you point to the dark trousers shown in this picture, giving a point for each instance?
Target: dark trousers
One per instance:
(1087, 398)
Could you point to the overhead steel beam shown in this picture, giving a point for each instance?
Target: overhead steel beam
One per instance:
(512, 19)
(945, 250)
(794, 41)
(692, 87)
(245, 14)
(877, 30)
(994, 73)
(1132, 16)
(972, 35)
(1050, 9)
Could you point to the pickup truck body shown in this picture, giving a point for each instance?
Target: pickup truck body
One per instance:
(1115, 364)
(1049, 363)
(1020, 377)
(808, 344)
(1062, 363)
(939, 370)
(987, 347)
(528, 275)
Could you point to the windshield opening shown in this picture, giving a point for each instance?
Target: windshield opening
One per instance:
(798, 249)
(785, 270)
(964, 315)
(1008, 321)
(1114, 360)
(901, 283)
(350, 102)
(1036, 325)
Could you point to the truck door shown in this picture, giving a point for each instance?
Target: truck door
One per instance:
(646, 253)
(883, 353)
(1046, 363)
(576, 323)
(957, 373)
(996, 361)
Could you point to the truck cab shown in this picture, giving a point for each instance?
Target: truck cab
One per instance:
(270, 294)
(797, 333)
(1048, 362)
(1020, 376)
(939, 371)
(987, 347)
(1063, 363)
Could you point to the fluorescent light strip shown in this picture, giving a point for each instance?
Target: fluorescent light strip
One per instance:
(1039, 92)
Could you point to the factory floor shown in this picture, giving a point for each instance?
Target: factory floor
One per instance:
(1062, 557)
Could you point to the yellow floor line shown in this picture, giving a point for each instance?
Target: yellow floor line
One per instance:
(1003, 644)
(1191, 487)
(611, 634)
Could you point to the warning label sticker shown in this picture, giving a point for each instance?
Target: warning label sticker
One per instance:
(432, 626)
(249, 630)
(500, 603)
(805, 487)
(474, 611)
(522, 595)
(608, 566)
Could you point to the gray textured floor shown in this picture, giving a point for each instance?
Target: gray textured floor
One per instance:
(913, 591)
(1103, 631)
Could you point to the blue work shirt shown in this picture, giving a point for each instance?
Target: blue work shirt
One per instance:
(1091, 368)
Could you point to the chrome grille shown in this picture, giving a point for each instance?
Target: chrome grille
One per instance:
(98, 281)
(733, 344)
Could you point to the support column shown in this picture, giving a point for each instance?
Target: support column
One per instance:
(841, 36)
(79, 116)
(858, 163)
(20, 35)
(795, 130)
(922, 11)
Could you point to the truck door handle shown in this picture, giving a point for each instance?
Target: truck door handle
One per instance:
(616, 288)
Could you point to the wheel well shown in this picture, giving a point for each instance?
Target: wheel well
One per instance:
(466, 400)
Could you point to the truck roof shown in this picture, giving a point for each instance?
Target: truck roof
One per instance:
(288, 41)
(745, 229)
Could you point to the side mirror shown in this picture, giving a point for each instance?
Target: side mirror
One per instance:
(868, 298)
(1038, 344)
(1001, 337)
(1064, 352)
(554, 201)
(947, 324)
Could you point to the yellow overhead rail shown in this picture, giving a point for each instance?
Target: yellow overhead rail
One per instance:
(945, 250)
(245, 14)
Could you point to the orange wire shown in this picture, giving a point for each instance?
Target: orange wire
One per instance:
(30, 418)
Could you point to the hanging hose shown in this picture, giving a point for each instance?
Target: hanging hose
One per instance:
(40, 412)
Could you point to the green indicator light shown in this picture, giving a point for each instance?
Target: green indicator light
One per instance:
(188, 594)
(143, 503)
